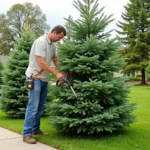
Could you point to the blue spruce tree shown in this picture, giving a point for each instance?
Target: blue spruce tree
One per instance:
(13, 94)
(90, 56)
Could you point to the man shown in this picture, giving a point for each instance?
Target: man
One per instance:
(42, 53)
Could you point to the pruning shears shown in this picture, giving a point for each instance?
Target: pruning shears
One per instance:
(66, 80)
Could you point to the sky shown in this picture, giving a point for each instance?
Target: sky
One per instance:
(57, 10)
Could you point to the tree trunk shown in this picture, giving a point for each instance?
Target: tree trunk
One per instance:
(143, 81)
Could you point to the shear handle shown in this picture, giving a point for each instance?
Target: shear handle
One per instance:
(60, 83)
(65, 80)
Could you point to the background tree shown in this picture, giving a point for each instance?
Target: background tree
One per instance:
(15, 19)
(1, 68)
(68, 26)
(136, 36)
(148, 71)
(14, 96)
(91, 59)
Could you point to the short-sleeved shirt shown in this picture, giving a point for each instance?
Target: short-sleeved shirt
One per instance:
(41, 47)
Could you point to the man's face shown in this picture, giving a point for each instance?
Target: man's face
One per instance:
(57, 37)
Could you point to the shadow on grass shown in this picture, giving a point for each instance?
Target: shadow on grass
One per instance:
(101, 136)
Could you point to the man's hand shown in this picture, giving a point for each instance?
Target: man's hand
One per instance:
(59, 76)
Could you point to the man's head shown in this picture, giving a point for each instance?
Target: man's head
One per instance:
(57, 33)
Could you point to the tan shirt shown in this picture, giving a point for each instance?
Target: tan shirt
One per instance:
(41, 47)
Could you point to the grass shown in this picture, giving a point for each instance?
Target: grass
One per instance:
(136, 137)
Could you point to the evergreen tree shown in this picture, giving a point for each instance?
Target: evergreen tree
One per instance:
(91, 59)
(14, 95)
(1, 68)
(148, 71)
(136, 36)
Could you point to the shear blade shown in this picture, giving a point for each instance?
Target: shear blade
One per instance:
(73, 91)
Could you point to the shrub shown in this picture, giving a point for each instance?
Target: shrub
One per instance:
(130, 79)
(138, 75)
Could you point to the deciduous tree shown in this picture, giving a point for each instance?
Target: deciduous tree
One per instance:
(16, 18)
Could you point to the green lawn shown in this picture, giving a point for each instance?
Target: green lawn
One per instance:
(136, 137)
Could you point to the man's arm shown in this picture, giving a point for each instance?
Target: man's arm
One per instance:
(42, 63)
(55, 61)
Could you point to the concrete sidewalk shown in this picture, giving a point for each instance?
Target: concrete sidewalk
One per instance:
(13, 141)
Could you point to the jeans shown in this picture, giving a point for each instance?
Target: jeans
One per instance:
(35, 107)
